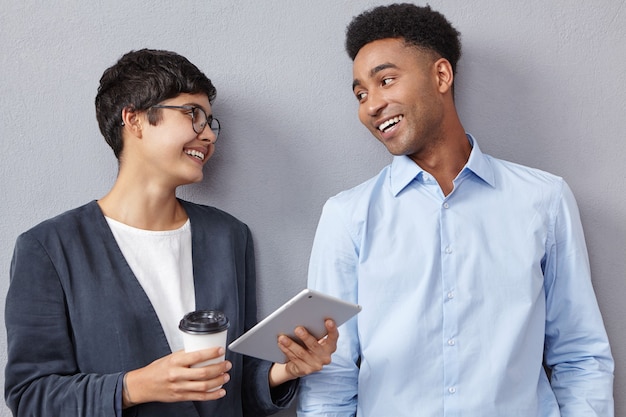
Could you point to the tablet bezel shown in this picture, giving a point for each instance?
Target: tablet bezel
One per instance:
(308, 308)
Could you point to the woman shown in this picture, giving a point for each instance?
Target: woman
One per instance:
(97, 292)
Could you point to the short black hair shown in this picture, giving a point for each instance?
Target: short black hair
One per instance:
(421, 27)
(141, 79)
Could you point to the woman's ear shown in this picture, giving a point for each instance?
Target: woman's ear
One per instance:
(131, 121)
(445, 75)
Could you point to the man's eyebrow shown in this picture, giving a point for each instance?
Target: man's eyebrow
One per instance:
(375, 71)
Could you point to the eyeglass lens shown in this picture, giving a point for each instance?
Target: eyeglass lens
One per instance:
(200, 121)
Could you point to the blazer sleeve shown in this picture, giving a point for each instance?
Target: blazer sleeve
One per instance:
(258, 398)
(41, 376)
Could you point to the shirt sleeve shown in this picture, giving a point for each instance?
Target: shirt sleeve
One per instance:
(41, 375)
(576, 348)
(332, 392)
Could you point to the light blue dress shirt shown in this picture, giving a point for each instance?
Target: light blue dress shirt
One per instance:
(463, 296)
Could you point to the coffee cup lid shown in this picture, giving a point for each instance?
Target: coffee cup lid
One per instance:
(204, 321)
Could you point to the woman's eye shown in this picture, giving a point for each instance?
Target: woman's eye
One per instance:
(387, 80)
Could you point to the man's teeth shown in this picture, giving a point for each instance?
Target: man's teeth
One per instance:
(195, 153)
(389, 123)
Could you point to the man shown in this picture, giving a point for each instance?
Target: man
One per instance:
(472, 271)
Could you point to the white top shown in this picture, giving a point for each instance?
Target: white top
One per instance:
(161, 261)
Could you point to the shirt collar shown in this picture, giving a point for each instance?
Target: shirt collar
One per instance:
(404, 170)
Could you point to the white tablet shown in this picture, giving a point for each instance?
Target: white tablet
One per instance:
(308, 309)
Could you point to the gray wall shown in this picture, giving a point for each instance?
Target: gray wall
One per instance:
(540, 83)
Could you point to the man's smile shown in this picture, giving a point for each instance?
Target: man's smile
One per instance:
(389, 123)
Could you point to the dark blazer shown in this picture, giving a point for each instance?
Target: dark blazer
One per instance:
(77, 318)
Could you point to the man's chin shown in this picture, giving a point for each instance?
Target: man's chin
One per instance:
(394, 150)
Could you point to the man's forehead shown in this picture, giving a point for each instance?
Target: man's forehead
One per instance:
(389, 52)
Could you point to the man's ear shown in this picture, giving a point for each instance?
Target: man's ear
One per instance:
(131, 121)
(445, 75)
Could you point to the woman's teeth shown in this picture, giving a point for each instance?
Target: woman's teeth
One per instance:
(195, 153)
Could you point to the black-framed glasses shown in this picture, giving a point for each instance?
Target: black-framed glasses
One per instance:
(199, 118)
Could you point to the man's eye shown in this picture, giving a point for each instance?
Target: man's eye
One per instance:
(387, 81)
(361, 95)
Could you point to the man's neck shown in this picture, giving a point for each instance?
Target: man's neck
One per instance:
(446, 158)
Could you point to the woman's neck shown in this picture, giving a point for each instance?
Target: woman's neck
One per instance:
(143, 206)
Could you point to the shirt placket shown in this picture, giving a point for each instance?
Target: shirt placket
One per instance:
(450, 341)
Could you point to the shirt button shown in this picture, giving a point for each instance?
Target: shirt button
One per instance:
(450, 295)
(448, 249)
(451, 390)
(446, 205)
(451, 342)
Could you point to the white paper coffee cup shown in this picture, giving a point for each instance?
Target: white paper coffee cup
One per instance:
(203, 329)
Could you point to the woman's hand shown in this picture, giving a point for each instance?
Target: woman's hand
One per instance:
(171, 379)
(304, 360)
